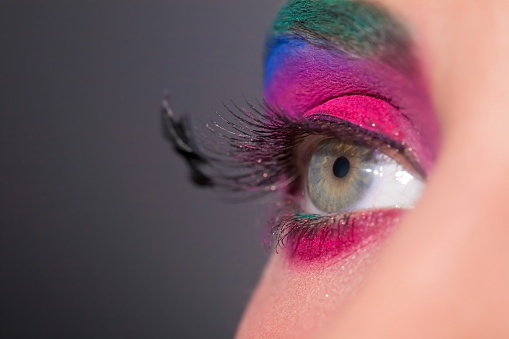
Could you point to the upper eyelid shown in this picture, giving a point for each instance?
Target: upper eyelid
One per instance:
(367, 93)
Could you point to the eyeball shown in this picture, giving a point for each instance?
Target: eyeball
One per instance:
(345, 177)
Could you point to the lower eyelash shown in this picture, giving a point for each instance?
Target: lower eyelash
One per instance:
(308, 237)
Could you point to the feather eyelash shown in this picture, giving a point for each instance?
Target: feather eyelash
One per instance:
(252, 150)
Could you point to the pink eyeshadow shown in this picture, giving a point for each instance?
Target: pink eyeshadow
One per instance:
(344, 237)
(369, 113)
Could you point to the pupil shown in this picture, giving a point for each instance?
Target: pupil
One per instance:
(341, 167)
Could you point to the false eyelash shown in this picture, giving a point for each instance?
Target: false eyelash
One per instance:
(252, 152)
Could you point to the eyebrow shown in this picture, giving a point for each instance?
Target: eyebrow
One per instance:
(357, 28)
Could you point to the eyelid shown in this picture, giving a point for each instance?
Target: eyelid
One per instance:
(367, 112)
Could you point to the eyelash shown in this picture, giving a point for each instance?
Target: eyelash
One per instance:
(254, 153)
(311, 236)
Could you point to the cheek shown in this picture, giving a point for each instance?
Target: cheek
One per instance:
(297, 300)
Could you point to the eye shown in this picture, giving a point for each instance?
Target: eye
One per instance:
(344, 177)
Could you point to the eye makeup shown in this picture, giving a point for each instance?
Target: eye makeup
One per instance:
(307, 80)
(311, 237)
(321, 51)
(256, 151)
(334, 70)
(351, 61)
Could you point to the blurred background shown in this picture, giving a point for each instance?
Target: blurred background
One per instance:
(102, 235)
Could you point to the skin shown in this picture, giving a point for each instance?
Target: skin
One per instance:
(444, 272)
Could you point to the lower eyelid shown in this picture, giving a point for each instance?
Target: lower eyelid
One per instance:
(310, 238)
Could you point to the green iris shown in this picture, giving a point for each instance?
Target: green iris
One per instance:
(339, 174)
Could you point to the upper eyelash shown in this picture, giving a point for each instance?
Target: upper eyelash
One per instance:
(253, 152)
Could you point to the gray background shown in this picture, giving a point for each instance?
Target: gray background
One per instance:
(101, 233)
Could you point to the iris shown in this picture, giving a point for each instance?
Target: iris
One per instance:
(339, 174)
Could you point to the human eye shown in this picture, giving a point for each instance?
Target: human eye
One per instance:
(345, 136)
(351, 187)
(338, 184)
(342, 177)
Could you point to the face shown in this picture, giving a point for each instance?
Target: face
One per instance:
(386, 124)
